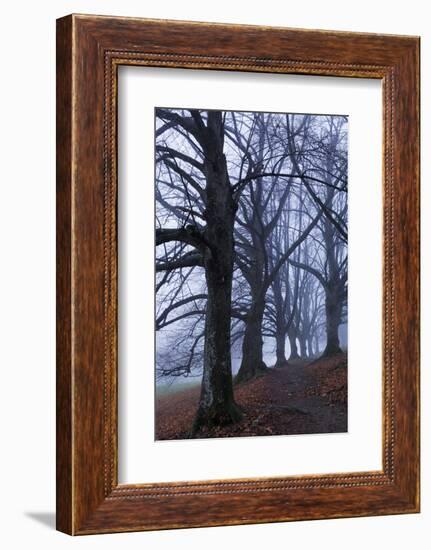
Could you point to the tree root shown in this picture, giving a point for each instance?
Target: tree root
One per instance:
(247, 375)
(216, 416)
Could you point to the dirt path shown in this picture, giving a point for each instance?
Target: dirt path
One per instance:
(298, 398)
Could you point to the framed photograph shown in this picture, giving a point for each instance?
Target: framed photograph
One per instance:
(237, 274)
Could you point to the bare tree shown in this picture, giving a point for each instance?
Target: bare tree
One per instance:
(206, 229)
(330, 165)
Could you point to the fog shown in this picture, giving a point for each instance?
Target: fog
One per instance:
(287, 178)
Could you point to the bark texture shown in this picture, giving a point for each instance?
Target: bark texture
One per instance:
(216, 404)
(333, 319)
(252, 363)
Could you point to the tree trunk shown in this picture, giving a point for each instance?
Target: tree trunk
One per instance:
(280, 341)
(252, 359)
(291, 333)
(310, 347)
(316, 345)
(217, 406)
(333, 317)
(303, 346)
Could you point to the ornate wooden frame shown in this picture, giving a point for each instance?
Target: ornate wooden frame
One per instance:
(89, 51)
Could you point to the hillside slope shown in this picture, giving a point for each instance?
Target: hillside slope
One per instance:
(299, 398)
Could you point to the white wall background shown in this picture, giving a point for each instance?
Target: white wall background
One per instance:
(27, 247)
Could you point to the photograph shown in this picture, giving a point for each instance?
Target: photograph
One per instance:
(251, 273)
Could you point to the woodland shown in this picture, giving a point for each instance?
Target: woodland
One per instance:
(251, 273)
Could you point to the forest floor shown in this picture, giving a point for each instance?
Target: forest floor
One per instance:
(302, 397)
